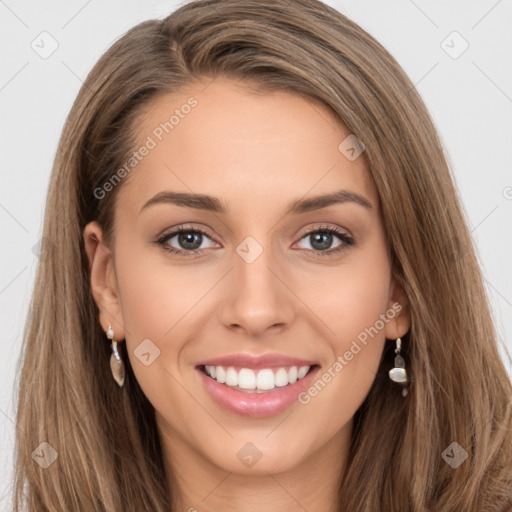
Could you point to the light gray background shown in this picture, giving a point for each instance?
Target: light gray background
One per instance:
(469, 97)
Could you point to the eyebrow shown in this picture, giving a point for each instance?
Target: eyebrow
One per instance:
(213, 204)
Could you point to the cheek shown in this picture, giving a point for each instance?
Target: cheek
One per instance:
(350, 299)
(352, 305)
(154, 301)
(155, 296)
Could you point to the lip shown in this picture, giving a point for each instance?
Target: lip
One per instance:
(242, 360)
(256, 405)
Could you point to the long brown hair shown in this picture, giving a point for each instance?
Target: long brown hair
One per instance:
(107, 449)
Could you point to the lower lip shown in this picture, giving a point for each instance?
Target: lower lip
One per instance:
(256, 405)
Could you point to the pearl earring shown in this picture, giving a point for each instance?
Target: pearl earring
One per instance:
(116, 363)
(398, 374)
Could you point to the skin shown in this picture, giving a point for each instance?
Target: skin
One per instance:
(257, 153)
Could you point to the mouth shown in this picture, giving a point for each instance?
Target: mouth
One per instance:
(261, 380)
(256, 392)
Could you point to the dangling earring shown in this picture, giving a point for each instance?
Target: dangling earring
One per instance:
(116, 363)
(398, 373)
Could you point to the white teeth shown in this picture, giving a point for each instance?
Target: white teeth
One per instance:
(281, 377)
(266, 380)
(246, 379)
(302, 371)
(210, 370)
(220, 374)
(231, 377)
(261, 380)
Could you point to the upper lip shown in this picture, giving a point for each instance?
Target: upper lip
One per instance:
(254, 361)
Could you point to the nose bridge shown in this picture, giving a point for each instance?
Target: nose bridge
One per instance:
(258, 298)
(253, 260)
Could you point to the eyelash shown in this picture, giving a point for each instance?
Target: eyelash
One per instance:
(346, 239)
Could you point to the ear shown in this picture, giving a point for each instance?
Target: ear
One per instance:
(399, 303)
(103, 280)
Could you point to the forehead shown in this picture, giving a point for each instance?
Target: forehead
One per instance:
(222, 139)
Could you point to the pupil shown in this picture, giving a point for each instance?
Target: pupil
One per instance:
(323, 241)
(186, 240)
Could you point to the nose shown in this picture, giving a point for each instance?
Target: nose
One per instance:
(258, 299)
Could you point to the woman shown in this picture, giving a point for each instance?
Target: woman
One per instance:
(264, 294)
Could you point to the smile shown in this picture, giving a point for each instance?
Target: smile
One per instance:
(256, 393)
(261, 380)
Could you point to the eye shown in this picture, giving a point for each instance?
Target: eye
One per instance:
(188, 239)
(321, 239)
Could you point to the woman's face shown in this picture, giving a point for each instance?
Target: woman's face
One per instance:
(257, 274)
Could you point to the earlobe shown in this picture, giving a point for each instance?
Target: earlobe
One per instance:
(398, 311)
(102, 280)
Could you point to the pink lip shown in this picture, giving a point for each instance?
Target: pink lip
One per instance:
(256, 405)
(256, 362)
